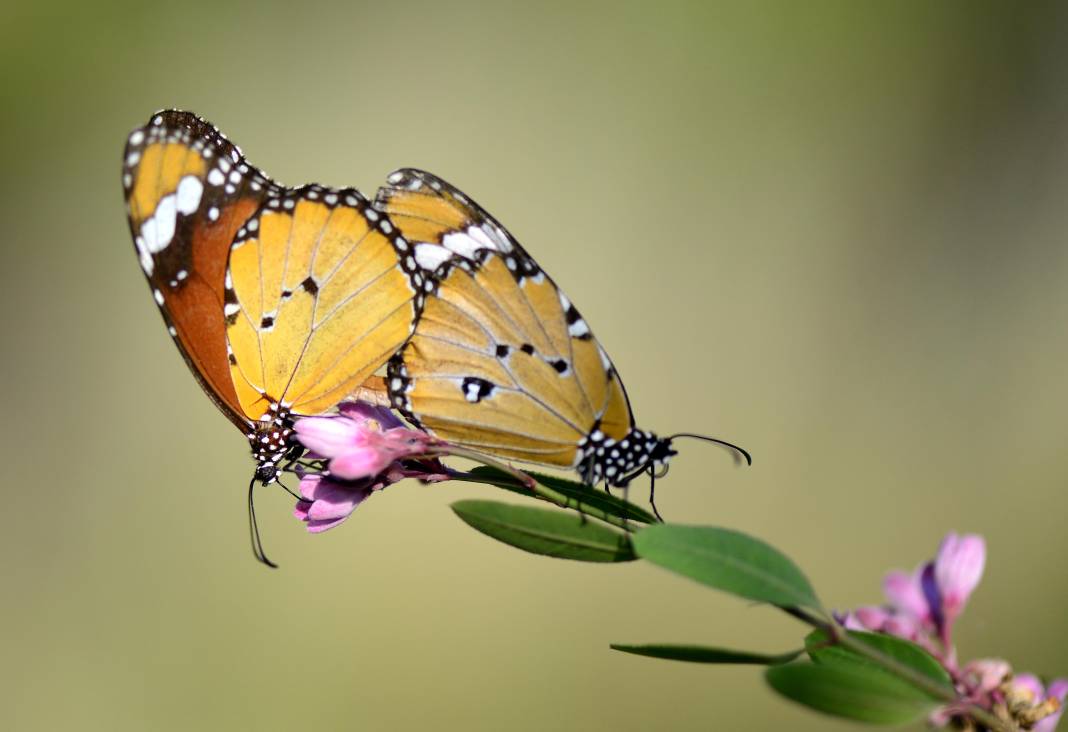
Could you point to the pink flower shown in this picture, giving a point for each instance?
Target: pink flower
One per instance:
(1052, 697)
(362, 441)
(958, 567)
(327, 503)
(366, 449)
(906, 595)
(981, 677)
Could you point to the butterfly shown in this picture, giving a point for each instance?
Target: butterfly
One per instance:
(501, 361)
(283, 301)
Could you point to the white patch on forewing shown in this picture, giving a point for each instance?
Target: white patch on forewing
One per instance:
(498, 235)
(146, 257)
(137, 137)
(478, 233)
(216, 177)
(189, 190)
(578, 328)
(158, 230)
(230, 308)
(429, 256)
(462, 244)
(604, 357)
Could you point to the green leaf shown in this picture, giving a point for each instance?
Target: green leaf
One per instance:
(702, 654)
(579, 497)
(544, 531)
(727, 560)
(822, 651)
(859, 692)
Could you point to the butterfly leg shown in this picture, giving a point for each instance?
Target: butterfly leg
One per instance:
(652, 494)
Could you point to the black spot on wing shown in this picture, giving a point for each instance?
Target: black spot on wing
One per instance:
(476, 389)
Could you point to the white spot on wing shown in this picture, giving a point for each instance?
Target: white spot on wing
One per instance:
(158, 230)
(604, 358)
(216, 177)
(462, 244)
(145, 256)
(498, 235)
(189, 190)
(479, 234)
(231, 308)
(579, 329)
(429, 256)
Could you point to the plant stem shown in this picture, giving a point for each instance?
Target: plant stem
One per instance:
(522, 478)
(840, 636)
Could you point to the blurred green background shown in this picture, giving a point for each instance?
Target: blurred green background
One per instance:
(831, 232)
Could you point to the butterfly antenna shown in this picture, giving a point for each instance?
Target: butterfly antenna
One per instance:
(254, 530)
(736, 451)
(652, 493)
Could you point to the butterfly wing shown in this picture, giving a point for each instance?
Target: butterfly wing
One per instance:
(319, 293)
(188, 191)
(500, 359)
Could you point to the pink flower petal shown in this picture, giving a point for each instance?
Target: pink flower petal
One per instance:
(301, 510)
(329, 436)
(901, 626)
(1058, 689)
(1030, 684)
(958, 569)
(872, 618)
(365, 462)
(986, 674)
(326, 510)
(317, 527)
(905, 593)
(362, 411)
(849, 621)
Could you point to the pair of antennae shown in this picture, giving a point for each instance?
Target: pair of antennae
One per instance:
(254, 530)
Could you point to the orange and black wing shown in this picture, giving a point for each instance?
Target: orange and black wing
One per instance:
(319, 293)
(500, 359)
(188, 190)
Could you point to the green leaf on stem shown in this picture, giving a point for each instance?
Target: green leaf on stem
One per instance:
(702, 654)
(824, 651)
(580, 497)
(727, 560)
(544, 531)
(858, 692)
